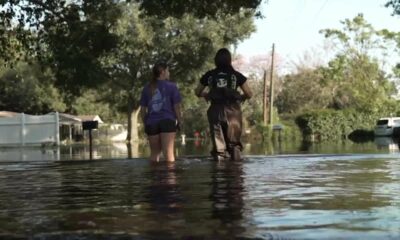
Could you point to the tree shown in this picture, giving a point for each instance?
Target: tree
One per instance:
(302, 91)
(71, 35)
(199, 9)
(29, 88)
(395, 4)
(185, 43)
(67, 36)
(358, 37)
(91, 103)
(357, 83)
(352, 79)
(354, 76)
(88, 45)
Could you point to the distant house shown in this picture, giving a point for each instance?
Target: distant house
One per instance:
(90, 118)
(71, 125)
(112, 131)
(21, 129)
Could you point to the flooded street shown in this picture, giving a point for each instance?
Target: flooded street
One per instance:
(288, 192)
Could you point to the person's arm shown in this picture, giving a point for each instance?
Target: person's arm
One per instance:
(199, 91)
(176, 102)
(143, 114)
(178, 114)
(247, 94)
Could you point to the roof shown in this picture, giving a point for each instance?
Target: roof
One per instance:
(65, 118)
(7, 114)
(90, 118)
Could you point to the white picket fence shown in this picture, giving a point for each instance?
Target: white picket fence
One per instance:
(23, 129)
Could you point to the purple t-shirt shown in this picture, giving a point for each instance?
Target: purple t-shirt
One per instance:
(161, 105)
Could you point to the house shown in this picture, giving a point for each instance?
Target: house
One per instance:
(71, 125)
(85, 118)
(53, 127)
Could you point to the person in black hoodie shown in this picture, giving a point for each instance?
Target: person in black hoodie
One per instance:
(224, 114)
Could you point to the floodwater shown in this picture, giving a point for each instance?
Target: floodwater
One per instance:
(279, 191)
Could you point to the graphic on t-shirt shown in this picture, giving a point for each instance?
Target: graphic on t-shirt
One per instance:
(222, 82)
(157, 101)
(234, 80)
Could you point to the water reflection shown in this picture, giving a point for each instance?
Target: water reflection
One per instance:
(227, 191)
(337, 197)
(328, 196)
(190, 148)
(387, 143)
(163, 192)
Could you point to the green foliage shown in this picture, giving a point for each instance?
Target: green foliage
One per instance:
(72, 36)
(395, 4)
(328, 124)
(289, 132)
(28, 88)
(303, 91)
(195, 117)
(110, 45)
(90, 103)
(352, 80)
(187, 44)
(200, 9)
(253, 108)
(357, 37)
(67, 36)
(357, 83)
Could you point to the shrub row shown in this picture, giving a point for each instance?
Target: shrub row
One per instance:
(321, 125)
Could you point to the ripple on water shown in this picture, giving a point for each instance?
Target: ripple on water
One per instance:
(310, 196)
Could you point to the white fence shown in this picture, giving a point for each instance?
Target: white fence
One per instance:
(24, 129)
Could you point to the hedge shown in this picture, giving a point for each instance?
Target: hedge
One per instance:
(321, 125)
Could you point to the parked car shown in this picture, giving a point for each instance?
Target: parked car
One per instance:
(387, 126)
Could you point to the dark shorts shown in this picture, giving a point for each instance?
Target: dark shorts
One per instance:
(162, 126)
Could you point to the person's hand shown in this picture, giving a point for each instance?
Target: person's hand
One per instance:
(179, 126)
(243, 98)
(205, 96)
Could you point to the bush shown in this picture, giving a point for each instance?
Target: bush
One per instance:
(290, 131)
(321, 125)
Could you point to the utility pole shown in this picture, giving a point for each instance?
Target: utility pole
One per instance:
(265, 100)
(271, 86)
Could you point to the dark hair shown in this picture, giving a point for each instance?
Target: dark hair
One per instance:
(157, 69)
(223, 58)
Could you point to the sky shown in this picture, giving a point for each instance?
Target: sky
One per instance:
(293, 25)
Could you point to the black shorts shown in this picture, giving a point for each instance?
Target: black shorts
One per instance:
(162, 126)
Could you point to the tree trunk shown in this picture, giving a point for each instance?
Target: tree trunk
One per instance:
(133, 133)
(133, 149)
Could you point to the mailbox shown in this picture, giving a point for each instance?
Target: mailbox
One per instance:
(89, 125)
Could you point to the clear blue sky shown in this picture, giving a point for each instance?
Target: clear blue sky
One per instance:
(293, 25)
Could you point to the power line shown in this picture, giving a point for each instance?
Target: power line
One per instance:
(320, 9)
